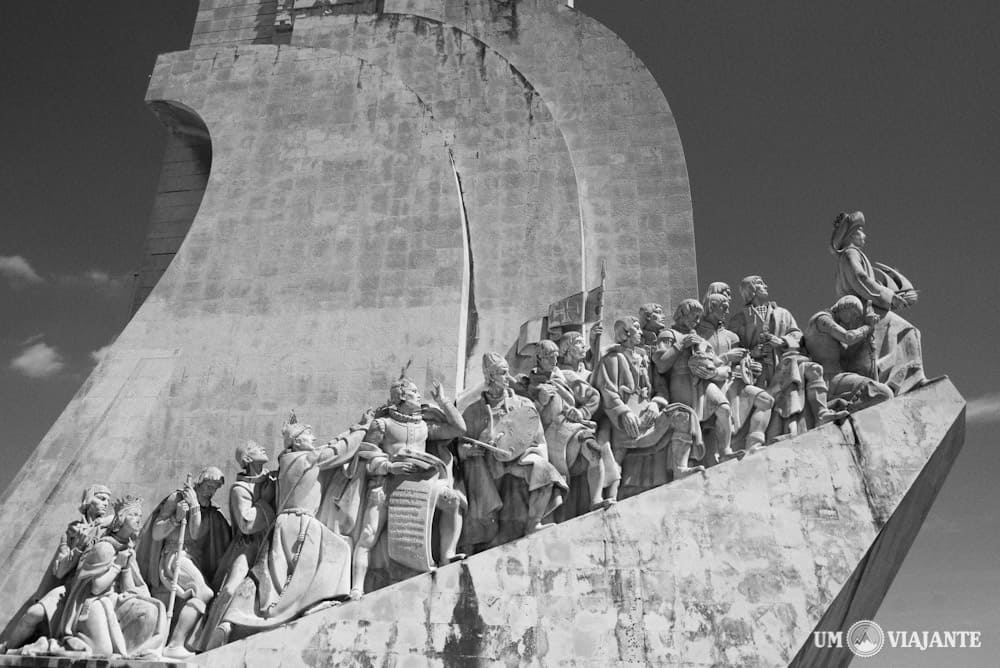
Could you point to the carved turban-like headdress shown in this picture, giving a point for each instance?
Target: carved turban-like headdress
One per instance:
(843, 226)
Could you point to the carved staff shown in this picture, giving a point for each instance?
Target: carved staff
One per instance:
(180, 553)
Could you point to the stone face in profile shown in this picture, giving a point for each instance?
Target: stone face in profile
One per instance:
(109, 609)
(516, 456)
(407, 483)
(900, 362)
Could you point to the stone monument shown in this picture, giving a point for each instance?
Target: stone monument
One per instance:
(351, 187)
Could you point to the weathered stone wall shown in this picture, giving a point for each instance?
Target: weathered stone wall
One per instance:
(351, 174)
(331, 225)
(735, 567)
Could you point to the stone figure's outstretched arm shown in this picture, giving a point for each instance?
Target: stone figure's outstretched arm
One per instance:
(345, 445)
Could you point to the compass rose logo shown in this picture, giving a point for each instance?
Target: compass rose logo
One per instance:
(865, 638)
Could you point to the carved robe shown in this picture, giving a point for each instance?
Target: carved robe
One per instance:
(251, 507)
(483, 478)
(121, 617)
(623, 380)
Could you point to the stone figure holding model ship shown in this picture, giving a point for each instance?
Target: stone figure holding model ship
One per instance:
(899, 360)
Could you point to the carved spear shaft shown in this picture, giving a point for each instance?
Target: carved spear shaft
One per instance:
(177, 562)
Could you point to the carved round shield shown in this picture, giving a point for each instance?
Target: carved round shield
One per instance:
(515, 432)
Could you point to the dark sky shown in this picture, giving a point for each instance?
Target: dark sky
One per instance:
(789, 112)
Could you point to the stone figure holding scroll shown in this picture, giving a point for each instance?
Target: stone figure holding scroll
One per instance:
(398, 464)
(750, 405)
(511, 485)
(899, 360)
(43, 615)
(251, 509)
(109, 609)
(304, 563)
(186, 567)
(842, 340)
(795, 382)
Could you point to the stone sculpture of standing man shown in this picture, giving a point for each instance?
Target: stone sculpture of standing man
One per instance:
(401, 432)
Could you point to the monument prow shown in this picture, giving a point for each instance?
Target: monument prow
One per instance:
(736, 566)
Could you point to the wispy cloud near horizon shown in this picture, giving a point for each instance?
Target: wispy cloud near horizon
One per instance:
(18, 271)
(983, 409)
(38, 360)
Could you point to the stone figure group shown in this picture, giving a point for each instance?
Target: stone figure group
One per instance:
(414, 485)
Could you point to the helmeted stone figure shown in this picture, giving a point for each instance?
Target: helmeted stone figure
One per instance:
(251, 509)
(187, 568)
(109, 609)
(842, 340)
(774, 339)
(899, 360)
(304, 563)
(81, 534)
(398, 453)
(695, 375)
(499, 508)
(750, 405)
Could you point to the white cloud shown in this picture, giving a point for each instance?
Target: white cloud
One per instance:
(18, 271)
(983, 409)
(39, 360)
(98, 355)
(97, 279)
